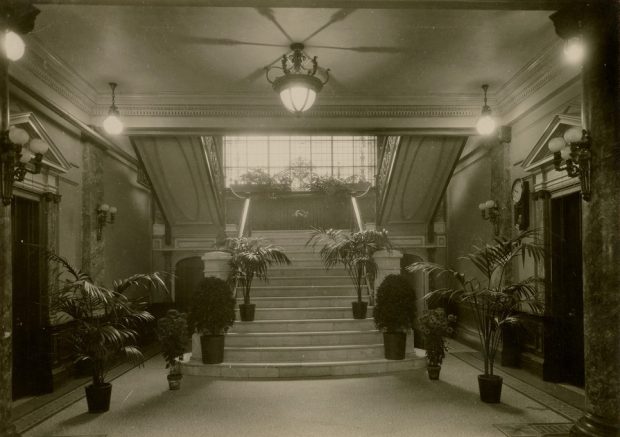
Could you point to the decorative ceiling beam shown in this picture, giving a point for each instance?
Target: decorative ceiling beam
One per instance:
(549, 5)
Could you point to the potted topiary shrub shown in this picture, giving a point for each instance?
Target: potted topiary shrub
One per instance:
(212, 313)
(354, 251)
(435, 326)
(102, 323)
(251, 258)
(494, 300)
(173, 337)
(394, 314)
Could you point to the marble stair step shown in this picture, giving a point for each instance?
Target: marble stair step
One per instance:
(282, 339)
(305, 370)
(296, 291)
(296, 270)
(313, 325)
(301, 302)
(304, 313)
(293, 279)
(301, 354)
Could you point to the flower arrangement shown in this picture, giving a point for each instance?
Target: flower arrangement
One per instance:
(436, 326)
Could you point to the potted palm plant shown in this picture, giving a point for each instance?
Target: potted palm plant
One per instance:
(394, 314)
(435, 326)
(102, 323)
(211, 315)
(251, 258)
(354, 251)
(494, 300)
(173, 338)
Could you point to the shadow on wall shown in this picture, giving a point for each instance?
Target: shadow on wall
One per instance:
(188, 273)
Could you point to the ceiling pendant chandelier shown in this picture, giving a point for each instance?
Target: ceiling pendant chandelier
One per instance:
(486, 122)
(112, 123)
(298, 86)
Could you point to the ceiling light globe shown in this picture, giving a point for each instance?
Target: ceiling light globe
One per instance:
(485, 125)
(14, 46)
(18, 136)
(298, 98)
(113, 125)
(574, 50)
(556, 144)
(39, 146)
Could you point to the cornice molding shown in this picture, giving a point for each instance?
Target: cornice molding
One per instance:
(274, 111)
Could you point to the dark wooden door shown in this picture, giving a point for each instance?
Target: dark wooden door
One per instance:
(567, 288)
(188, 273)
(31, 366)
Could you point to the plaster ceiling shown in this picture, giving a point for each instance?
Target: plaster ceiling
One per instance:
(220, 51)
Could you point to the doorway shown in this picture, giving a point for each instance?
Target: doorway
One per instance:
(31, 349)
(189, 272)
(565, 345)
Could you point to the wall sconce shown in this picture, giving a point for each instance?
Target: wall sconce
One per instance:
(19, 154)
(571, 152)
(490, 211)
(105, 214)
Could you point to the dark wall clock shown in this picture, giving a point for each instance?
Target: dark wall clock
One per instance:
(521, 204)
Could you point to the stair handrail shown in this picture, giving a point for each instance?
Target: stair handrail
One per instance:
(244, 216)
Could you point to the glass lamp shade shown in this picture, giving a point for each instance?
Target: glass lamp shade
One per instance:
(485, 124)
(39, 146)
(573, 135)
(113, 210)
(113, 124)
(18, 136)
(565, 153)
(14, 46)
(104, 207)
(574, 50)
(556, 144)
(26, 156)
(297, 91)
(489, 204)
(482, 206)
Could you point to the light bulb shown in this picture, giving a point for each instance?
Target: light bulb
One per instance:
(482, 206)
(485, 125)
(490, 204)
(26, 156)
(113, 125)
(39, 146)
(556, 144)
(565, 153)
(18, 135)
(574, 50)
(14, 46)
(113, 210)
(573, 135)
(104, 207)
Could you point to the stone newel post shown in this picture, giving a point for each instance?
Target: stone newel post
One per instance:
(215, 264)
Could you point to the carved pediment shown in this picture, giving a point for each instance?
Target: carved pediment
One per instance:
(53, 159)
(540, 155)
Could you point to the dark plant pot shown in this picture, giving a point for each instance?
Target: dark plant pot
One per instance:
(212, 348)
(174, 381)
(246, 311)
(359, 309)
(490, 388)
(433, 372)
(394, 345)
(98, 397)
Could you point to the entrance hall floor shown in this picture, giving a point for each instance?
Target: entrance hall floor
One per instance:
(402, 404)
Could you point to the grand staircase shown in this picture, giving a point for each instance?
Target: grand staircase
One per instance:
(303, 325)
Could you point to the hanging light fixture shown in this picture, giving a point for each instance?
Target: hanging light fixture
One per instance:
(298, 86)
(113, 124)
(571, 153)
(486, 122)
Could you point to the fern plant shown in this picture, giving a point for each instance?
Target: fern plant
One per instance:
(494, 300)
(352, 250)
(104, 322)
(251, 258)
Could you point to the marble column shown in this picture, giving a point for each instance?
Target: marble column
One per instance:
(598, 24)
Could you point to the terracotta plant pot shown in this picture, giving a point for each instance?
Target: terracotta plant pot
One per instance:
(246, 312)
(490, 388)
(98, 397)
(394, 345)
(433, 372)
(359, 309)
(174, 381)
(212, 348)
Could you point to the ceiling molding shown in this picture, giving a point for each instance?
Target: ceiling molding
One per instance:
(357, 4)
